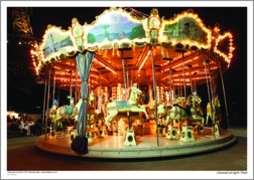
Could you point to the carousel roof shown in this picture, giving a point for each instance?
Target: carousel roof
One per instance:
(118, 35)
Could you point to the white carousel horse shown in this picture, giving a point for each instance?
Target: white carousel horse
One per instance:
(215, 110)
(129, 106)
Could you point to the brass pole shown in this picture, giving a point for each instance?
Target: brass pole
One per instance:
(76, 85)
(207, 83)
(58, 95)
(127, 74)
(123, 72)
(43, 117)
(100, 100)
(47, 115)
(131, 77)
(224, 96)
(211, 86)
(54, 85)
(70, 84)
(190, 66)
(155, 94)
(184, 77)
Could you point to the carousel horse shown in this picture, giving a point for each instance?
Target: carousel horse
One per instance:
(71, 111)
(67, 112)
(196, 112)
(133, 116)
(199, 109)
(91, 99)
(64, 112)
(91, 113)
(178, 113)
(124, 117)
(130, 105)
(53, 111)
(95, 120)
(216, 114)
(161, 110)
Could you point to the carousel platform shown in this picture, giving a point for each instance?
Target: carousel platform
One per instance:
(113, 146)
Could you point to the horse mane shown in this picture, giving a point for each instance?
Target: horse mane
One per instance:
(189, 100)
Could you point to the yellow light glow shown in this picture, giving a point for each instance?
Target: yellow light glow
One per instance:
(144, 60)
(228, 57)
(104, 66)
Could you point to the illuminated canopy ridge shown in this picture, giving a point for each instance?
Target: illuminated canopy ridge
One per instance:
(116, 28)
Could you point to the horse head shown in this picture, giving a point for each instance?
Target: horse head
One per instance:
(216, 101)
(196, 98)
(178, 100)
(136, 90)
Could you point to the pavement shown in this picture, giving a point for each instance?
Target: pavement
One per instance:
(23, 155)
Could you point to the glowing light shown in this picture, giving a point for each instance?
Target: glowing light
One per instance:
(181, 64)
(186, 62)
(104, 66)
(12, 113)
(144, 60)
(178, 57)
(227, 57)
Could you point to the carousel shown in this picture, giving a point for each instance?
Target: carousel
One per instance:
(133, 85)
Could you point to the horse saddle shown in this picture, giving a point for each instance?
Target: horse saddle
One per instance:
(186, 110)
(122, 104)
(68, 110)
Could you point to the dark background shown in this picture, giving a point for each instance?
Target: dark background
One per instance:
(25, 95)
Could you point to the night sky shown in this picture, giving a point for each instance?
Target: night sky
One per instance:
(229, 18)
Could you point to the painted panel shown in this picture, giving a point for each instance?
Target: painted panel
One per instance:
(56, 41)
(115, 26)
(185, 29)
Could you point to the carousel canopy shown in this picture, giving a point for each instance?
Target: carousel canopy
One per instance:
(118, 35)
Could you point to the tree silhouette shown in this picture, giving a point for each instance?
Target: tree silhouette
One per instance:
(137, 32)
(91, 38)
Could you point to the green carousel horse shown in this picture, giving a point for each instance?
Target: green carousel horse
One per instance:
(179, 113)
(174, 112)
(116, 108)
